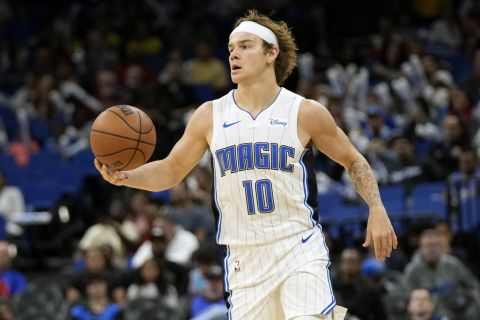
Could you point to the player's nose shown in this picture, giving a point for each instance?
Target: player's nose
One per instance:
(233, 55)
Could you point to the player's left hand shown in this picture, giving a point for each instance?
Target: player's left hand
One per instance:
(380, 233)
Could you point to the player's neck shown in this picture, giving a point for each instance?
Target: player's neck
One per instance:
(255, 96)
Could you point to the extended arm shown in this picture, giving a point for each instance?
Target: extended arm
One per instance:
(364, 181)
(317, 125)
(164, 174)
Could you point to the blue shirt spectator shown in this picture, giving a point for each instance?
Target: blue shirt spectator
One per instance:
(82, 312)
(14, 281)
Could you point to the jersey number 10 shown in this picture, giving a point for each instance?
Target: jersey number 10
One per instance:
(263, 196)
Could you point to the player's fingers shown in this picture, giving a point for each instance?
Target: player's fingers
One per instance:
(105, 172)
(368, 239)
(388, 248)
(380, 247)
(377, 247)
(119, 178)
(97, 164)
(395, 240)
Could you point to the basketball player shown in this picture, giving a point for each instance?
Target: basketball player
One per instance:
(261, 137)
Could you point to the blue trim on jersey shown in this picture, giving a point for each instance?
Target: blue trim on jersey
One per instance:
(219, 223)
(334, 301)
(227, 285)
(305, 189)
(253, 118)
(329, 308)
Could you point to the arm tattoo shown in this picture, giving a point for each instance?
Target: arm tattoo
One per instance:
(364, 182)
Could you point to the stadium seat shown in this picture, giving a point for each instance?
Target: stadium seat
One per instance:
(340, 218)
(39, 130)
(42, 302)
(42, 194)
(9, 121)
(393, 198)
(13, 173)
(396, 305)
(204, 92)
(428, 199)
(152, 309)
(46, 159)
(83, 162)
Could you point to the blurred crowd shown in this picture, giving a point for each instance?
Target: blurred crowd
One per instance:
(401, 78)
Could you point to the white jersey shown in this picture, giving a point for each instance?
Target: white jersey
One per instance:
(264, 183)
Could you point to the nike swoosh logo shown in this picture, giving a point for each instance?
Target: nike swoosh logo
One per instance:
(306, 239)
(226, 125)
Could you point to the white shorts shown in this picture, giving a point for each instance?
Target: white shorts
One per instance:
(280, 280)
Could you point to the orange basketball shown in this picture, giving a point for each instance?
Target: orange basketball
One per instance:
(123, 137)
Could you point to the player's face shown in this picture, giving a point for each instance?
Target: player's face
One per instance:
(248, 58)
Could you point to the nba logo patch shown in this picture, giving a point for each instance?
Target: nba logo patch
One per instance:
(236, 266)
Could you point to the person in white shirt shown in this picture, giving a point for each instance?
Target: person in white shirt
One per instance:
(11, 202)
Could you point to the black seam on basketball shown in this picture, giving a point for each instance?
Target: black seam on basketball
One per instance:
(138, 140)
(148, 131)
(119, 136)
(126, 122)
(111, 154)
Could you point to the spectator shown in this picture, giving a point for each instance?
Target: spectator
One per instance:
(12, 281)
(421, 307)
(200, 184)
(463, 186)
(11, 203)
(204, 68)
(100, 54)
(454, 139)
(446, 236)
(7, 311)
(142, 212)
(180, 243)
(107, 88)
(204, 257)
(151, 281)
(407, 168)
(446, 277)
(210, 299)
(421, 129)
(462, 107)
(113, 232)
(97, 304)
(352, 291)
(176, 98)
(472, 83)
(375, 130)
(96, 262)
(188, 215)
(172, 242)
(137, 88)
(445, 30)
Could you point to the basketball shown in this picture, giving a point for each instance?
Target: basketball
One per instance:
(123, 137)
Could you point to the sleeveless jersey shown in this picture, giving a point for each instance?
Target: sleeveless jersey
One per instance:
(264, 183)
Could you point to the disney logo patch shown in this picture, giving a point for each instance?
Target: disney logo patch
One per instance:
(277, 122)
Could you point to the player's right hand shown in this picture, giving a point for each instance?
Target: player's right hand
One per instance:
(115, 177)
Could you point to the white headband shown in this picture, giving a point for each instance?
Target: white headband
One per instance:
(258, 30)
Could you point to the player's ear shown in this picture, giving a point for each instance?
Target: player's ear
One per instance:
(272, 53)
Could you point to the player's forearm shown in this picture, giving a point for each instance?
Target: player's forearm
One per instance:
(153, 176)
(364, 182)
